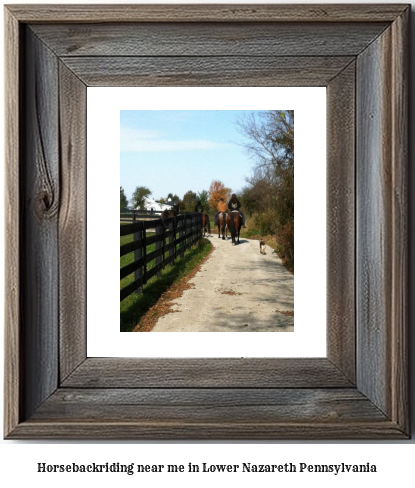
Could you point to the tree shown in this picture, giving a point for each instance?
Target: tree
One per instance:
(188, 202)
(123, 199)
(269, 137)
(218, 190)
(172, 198)
(203, 196)
(269, 196)
(139, 197)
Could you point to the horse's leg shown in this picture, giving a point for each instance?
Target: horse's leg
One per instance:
(221, 220)
(233, 230)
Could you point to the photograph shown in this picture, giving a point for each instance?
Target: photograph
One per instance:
(207, 220)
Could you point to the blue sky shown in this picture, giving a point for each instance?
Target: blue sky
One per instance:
(177, 151)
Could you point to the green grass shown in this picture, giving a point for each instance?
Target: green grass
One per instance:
(248, 233)
(136, 305)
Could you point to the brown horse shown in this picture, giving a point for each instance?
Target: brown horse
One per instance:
(224, 221)
(235, 225)
(205, 224)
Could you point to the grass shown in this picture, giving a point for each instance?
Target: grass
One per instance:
(136, 305)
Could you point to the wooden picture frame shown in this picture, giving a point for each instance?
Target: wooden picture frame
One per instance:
(360, 53)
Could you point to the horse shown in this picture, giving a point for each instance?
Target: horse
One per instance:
(205, 224)
(224, 221)
(235, 225)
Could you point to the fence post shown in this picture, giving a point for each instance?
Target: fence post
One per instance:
(182, 231)
(189, 231)
(199, 227)
(175, 238)
(138, 253)
(159, 244)
(185, 233)
(144, 254)
(195, 226)
(196, 220)
(172, 239)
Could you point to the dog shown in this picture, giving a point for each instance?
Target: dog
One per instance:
(262, 246)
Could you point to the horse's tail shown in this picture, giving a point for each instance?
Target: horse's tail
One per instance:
(232, 224)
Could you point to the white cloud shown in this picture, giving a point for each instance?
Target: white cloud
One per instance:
(133, 140)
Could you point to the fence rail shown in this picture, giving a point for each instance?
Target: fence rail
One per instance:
(136, 215)
(172, 237)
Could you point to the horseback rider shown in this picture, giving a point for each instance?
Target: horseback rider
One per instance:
(199, 206)
(235, 204)
(222, 208)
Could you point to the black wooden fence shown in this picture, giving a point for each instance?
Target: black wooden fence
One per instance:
(171, 237)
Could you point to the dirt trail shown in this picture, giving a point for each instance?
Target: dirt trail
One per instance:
(236, 290)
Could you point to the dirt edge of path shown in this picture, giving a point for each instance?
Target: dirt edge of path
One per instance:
(164, 303)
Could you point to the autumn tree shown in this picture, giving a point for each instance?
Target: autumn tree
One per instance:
(218, 190)
(123, 199)
(139, 196)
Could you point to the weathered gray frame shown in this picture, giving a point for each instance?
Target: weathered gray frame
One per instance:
(359, 52)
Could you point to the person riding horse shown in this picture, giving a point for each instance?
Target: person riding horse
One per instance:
(205, 217)
(199, 206)
(222, 208)
(235, 204)
(222, 219)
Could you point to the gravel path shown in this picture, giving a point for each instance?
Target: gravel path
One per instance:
(237, 290)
